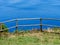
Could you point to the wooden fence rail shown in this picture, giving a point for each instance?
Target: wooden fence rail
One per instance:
(17, 25)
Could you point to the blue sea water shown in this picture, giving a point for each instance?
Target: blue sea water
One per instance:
(12, 9)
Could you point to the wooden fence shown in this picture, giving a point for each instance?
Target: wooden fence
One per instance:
(16, 20)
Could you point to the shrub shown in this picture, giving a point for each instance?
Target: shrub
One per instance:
(4, 27)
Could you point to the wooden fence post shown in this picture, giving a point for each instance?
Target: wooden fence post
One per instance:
(16, 24)
(1, 27)
(41, 24)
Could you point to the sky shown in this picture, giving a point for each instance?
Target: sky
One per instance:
(29, 8)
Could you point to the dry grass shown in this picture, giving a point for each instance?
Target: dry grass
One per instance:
(31, 38)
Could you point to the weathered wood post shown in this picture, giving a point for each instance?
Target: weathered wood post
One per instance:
(1, 27)
(41, 24)
(16, 24)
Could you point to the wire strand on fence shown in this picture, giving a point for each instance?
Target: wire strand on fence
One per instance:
(50, 19)
(30, 19)
(31, 25)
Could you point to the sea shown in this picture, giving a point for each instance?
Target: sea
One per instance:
(13, 9)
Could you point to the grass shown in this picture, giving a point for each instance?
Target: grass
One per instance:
(39, 38)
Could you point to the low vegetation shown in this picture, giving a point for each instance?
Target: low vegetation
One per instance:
(4, 27)
(31, 38)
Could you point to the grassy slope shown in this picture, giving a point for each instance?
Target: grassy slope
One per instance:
(40, 38)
